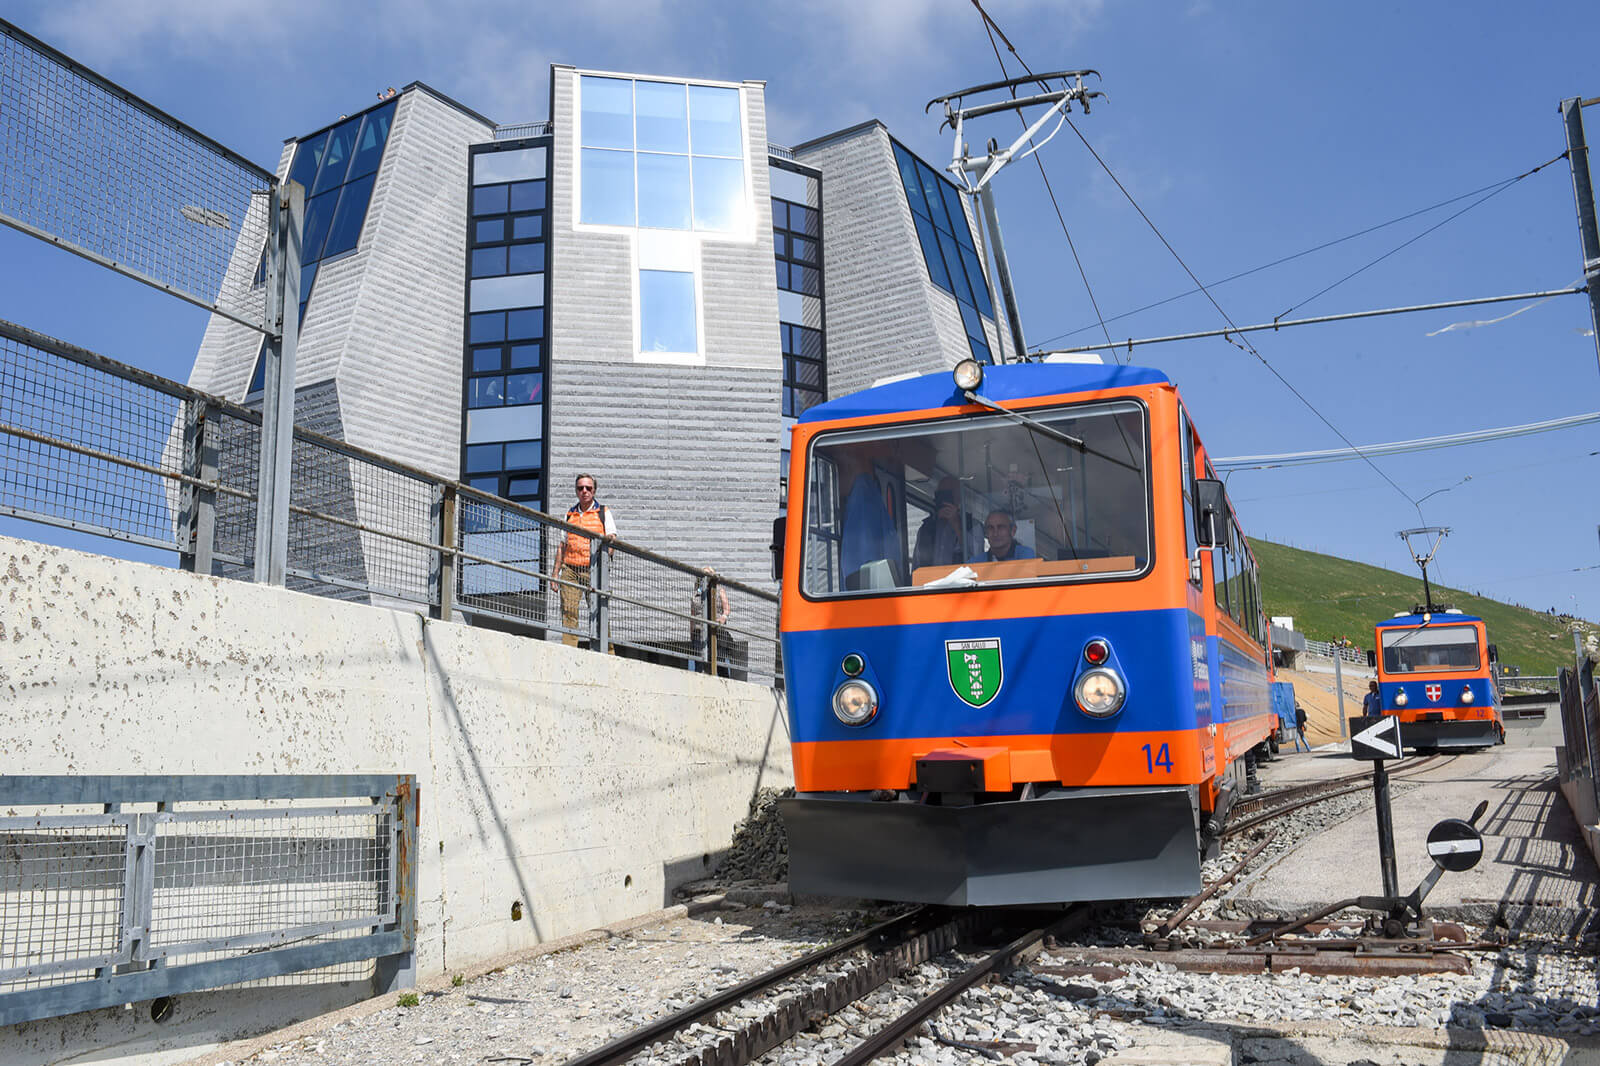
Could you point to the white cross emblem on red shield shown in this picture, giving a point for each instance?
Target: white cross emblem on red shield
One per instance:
(1434, 692)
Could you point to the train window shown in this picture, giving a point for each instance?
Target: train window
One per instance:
(959, 502)
(1186, 453)
(1426, 648)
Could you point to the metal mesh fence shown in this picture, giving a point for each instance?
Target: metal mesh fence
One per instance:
(50, 406)
(92, 167)
(246, 878)
(90, 443)
(62, 885)
(248, 867)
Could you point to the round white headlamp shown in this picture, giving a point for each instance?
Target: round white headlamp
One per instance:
(855, 702)
(1466, 694)
(1100, 692)
(968, 375)
(1400, 698)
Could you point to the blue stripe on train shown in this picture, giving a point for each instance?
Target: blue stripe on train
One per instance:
(1449, 693)
(1040, 659)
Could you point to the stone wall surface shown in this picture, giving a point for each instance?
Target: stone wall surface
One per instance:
(583, 787)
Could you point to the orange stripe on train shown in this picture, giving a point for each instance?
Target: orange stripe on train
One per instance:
(1072, 759)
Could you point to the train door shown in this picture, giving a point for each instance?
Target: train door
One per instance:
(1202, 611)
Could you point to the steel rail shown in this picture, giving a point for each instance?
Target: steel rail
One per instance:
(1318, 796)
(897, 1031)
(905, 926)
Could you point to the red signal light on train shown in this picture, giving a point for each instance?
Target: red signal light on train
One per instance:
(1096, 652)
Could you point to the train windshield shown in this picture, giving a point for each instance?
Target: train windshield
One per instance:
(979, 500)
(1429, 648)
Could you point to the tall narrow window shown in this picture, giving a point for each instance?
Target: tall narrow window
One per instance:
(667, 312)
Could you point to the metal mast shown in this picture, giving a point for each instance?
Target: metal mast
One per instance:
(974, 173)
(1583, 193)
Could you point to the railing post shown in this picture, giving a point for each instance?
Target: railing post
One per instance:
(600, 602)
(391, 973)
(711, 624)
(286, 215)
(445, 536)
(200, 451)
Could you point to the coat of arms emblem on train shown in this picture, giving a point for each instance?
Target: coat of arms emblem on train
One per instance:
(975, 670)
(1434, 692)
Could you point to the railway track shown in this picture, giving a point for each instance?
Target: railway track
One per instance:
(745, 1022)
(750, 1019)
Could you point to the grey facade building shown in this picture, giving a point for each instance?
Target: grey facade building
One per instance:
(641, 288)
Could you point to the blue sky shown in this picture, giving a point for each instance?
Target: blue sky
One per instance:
(1246, 131)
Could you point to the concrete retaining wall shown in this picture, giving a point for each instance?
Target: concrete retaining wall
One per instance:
(581, 786)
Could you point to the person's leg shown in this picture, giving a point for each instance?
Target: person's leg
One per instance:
(569, 603)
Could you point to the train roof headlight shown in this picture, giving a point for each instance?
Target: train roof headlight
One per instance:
(1100, 693)
(1400, 698)
(855, 702)
(1466, 694)
(968, 375)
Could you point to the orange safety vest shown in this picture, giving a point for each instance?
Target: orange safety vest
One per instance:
(594, 520)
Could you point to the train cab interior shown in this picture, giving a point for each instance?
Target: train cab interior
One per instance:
(979, 500)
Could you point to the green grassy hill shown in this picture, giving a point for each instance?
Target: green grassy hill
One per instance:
(1331, 598)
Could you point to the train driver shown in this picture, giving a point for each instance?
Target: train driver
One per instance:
(1001, 529)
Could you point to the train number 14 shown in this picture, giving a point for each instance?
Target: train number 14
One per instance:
(1159, 757)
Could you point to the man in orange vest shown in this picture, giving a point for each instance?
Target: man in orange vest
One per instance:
(572, 558)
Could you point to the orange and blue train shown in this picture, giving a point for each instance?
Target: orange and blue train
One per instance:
(1024, 650)
(1436, 672)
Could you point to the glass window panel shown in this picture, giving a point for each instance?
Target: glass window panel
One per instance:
(489, 200)
(481, 457)
(489, 229)
(930, 252)
(526, 227)
(527, 196)
(369, 145)
(524, 388)
(958, 217)
(930, 190)
(804, 373)
(980, 288)
(258, 377)
(486, 359)
(780, 245)
(486, 392)
(607, 187)
(514, 165)
(667, 312)
(502, 294)
(306, 158)
(980, 350)
(805, 279)
(606, 112)
(525, 455)
(486, 329)
(802, 249)
(970, 319)
(804, 220)
(662, 117)
(810, 342)
(788, 185)
(308, 276)
(525, 258)
(788, 404)
(485, 484)
(495, 424)
(664, 191)
(780, 215)
(523, 487)
(714, 127)
(347, 220)
(911, 179)
(525, 357)
(525, 325)
(314, 232)
(336, 156)
(783, 274)
(952, 261)
(718, 193)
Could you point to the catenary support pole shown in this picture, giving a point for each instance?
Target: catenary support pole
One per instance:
(1003, 267)
(1338, 681)
(286, 215)
(1583, 193)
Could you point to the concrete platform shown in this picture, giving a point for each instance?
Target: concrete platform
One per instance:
(1534, 854)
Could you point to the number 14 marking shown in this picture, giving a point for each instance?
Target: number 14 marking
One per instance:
(1160, 757)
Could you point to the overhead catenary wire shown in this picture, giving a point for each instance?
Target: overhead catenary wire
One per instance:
(1241, 343)
(1420, 444)
(1300, 254)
